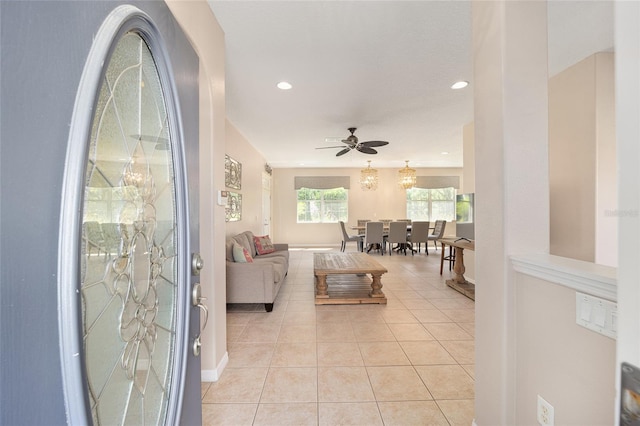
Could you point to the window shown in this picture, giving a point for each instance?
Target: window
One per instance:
(322, 205)
(431, 204)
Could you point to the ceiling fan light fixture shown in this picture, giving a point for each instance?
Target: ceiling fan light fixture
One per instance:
(459, 85)
(369, 178)
(407, 176)
(284, 85)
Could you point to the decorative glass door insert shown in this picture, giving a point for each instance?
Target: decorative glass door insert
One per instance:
(124, 259)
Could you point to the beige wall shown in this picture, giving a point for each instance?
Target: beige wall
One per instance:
(238, 148)
(570, 366)
(606, 164)
(582, 164)
(387, 202)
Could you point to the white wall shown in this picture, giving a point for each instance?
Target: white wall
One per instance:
(469, 186)
(512, 187)
(387, 202)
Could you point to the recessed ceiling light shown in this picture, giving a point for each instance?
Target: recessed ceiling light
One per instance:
(445, 153)
(284, 85)
(459, 84)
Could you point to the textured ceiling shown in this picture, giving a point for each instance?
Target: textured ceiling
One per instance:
(385, 67)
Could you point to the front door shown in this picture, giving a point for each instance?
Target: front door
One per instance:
(130, 342)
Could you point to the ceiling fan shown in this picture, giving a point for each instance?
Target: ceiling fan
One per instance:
(353, 143)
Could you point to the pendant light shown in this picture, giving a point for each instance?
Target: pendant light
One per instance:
(369, 178)
(407, 176)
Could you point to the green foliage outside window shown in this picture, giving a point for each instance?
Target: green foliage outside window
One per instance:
(431, 204)
(322, 205)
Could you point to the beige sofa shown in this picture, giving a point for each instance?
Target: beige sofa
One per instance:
(260, 280)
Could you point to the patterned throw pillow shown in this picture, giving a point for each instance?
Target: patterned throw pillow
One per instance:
(241, 254)
(263, 244)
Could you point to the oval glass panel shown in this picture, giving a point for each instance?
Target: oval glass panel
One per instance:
(129, 244)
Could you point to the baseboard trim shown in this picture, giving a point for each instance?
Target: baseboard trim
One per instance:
(306, 246)
(214, 375)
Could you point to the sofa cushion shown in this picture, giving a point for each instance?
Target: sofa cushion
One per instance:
(284, 254)
(241, 254)
(263, 244)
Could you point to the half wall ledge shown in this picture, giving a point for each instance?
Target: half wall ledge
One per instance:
(585, 277)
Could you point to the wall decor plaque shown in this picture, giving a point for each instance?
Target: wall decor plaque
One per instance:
(233, 210)
(232, 173)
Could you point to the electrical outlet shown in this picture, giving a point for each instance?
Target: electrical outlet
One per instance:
(545, 412)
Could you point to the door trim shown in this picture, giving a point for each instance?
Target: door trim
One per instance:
(120, 21)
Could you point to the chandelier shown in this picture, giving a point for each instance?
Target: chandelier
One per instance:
(407, 176)
(133, 174)
(369, 178)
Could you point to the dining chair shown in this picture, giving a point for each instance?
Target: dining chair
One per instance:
(374, 236)
(386, 222)
(398, 235)
(346, 238)
(438, 232)
(93, 236)
(363, 222)
(420, 234)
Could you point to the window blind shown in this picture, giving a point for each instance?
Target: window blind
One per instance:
(435, 182)
(321, 182)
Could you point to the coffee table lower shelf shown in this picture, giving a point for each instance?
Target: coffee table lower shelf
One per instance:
(349, 290)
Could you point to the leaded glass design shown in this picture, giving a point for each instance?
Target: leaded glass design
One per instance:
(129, 243)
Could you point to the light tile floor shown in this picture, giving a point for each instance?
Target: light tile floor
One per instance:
(410, 362)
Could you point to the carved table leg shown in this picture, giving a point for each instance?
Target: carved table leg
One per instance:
(321, 287)
(458, 266)
(376, 286)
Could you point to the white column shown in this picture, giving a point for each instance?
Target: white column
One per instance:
(512, 182)
(627, 41)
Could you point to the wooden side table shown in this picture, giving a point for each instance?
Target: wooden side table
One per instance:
(459, 282)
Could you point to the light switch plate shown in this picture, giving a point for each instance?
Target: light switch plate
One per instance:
(597, 314)
(222, 198)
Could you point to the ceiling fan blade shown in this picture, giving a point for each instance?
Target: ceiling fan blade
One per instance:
(375, 143)
(162, 144)
(366, 150)
(344, 151)
(327, 147)
(150, 138)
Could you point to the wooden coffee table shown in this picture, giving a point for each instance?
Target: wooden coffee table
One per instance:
(341, 278)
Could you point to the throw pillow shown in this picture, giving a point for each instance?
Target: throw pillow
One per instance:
(263, 244)
(241, 254)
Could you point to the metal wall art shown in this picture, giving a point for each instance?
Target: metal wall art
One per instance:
(232, 173)
(233, 210)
